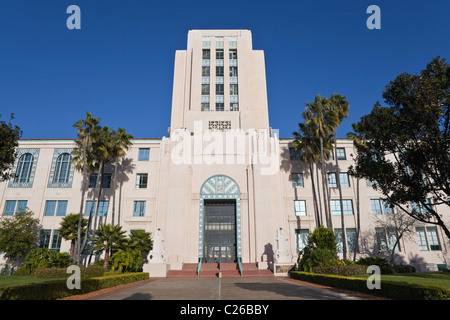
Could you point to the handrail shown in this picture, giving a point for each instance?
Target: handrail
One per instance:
(240, 266)
(199, 267)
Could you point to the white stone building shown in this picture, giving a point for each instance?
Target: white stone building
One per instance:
(222, 184)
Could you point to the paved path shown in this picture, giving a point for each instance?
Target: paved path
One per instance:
(251, 288)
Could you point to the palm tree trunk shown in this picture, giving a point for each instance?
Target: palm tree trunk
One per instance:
(316, 209)
(358, 220)
(80, 219)
(106, 262)
(338, 179)
(97, 204)
(324, 184)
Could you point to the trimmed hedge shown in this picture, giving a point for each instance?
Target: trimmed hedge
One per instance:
(90, 271)
(58, 289)
(341, 270)
(389, 289)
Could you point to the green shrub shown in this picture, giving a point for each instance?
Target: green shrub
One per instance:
(45, 258)
(404, 269)
(341, 270)
(56, 273)
(389, 289)
(58, 289)
(321, 250)
(370, 261)
(127, 261)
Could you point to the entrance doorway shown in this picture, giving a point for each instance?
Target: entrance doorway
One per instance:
(219, 231)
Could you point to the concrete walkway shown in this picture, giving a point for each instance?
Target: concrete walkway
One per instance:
(250, 288)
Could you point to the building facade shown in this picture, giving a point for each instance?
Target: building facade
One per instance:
(222, 185)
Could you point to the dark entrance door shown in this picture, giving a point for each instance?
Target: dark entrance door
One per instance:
(219, 231)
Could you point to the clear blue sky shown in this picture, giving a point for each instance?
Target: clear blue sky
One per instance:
(119, 66)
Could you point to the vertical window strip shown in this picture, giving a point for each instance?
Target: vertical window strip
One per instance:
(10, 206)
(300, 207)
(62, 208)
(50, 206)
(422, 239)
(302, 239)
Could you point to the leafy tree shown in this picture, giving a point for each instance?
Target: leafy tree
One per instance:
(108, 237)
(321, 250)
(9, 141)
(69, 230)
(18, 235)
(403, 148)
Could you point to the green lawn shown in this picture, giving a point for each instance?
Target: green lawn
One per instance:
(14, 281)
(432, 279)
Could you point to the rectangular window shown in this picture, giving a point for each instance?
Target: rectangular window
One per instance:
(56, 241)
(44, 238)
(206, 54)
(219, 54)
(297, 180)
(219, 44)
(219, 80)
(340, 154)
(139, 209)
(233, 89)
(102, 208)
(219, 71)
(14, 206)
(144, 154)
(233, 54)
(106, 180)
(392, 238)
(294, 154)
(376, 207)
(205, 71)
(141, 180)
(205, 106)
(302, 238)
(205, 89)
(332, 183)
(336, 207)
(380, 234)
(50, 207)
(300, 207)
(220, 106)
(234, 107)
(338, 234)
(62, 208)
(345, 182)
(206, 44)
(433, 239)
(351, 239)
(422, 239)
(233, 44)
(219, 89)
(233, 71)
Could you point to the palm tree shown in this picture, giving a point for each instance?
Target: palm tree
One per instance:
(308, 144)
(338, 109)
(69, 230)
(108, 237)
(82, 157)
(109, 146)
(141, 240)
(320, 122)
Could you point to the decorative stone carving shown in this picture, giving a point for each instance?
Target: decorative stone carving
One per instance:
(157, 254)
(282, 255)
